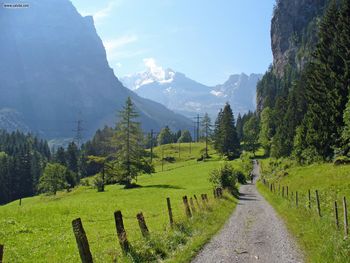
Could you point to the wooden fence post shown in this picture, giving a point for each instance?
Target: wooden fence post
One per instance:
(318, 204)
(204, 201)
(309, 193)
(170, 212)
(282, 191)
(296, 198)
(287, 191)
(142, 225)
(82, 241)
(123, 241)
(336, 215)
(279, 189)
(1, 252)
(195, 198)
(187, 207)
(192, 205)
(346, 227)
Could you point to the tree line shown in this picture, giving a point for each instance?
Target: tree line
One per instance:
(113, 155)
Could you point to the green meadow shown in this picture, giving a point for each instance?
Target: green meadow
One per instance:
(318, 237)
(40, 229)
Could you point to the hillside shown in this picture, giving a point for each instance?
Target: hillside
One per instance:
(54, 67)
(22, 226)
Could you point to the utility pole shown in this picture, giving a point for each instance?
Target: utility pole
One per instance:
(78, 138)
(197, 127)
(151, 145)
(162, 158)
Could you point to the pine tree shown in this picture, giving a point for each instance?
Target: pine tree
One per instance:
(239, 127)
(165, 136)
(185, 137)
(266, 129)
(130, 153)
(72, 157)
(251, 134)
(325, 95)
(226, 140)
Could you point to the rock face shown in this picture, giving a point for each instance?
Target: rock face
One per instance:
(188, 97)
(293, 27)
(53, 65)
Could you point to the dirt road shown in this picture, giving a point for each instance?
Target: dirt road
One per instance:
(254, 233)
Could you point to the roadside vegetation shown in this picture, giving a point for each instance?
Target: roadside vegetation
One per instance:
(318, 236)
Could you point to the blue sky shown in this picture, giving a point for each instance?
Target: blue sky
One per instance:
(205, 39)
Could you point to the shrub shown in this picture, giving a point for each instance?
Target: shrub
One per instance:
(99, 183)
(341, 160)
(225, 177)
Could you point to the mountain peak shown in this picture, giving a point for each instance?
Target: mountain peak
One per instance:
(152, 74)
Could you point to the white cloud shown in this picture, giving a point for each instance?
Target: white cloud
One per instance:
(117, 43)
(106, 11)
(157, 71)
(115, 48)
(118, 65)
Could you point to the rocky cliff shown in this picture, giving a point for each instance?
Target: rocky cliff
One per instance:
(293, 31)
(53, 65)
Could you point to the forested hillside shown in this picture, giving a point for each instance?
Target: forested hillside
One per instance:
(22, 160)
(303, 107)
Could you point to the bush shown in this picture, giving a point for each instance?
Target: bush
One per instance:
(99, 183)
(225, 177)
(84, 182)
(341, 160)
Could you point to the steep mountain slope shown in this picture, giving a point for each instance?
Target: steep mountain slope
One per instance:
(53, 65)
(293, 32)
(184, 95)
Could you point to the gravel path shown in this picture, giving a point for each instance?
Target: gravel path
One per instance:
(254, 233)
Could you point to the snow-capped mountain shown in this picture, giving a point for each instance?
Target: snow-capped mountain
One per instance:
(184, 95)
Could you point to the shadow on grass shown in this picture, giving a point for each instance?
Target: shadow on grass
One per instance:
(159, 186)
(163, 186)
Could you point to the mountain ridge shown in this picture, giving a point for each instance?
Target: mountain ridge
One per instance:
(54, 65)
(189, 97)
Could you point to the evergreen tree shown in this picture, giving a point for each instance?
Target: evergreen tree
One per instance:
(239, 127)
(72, 157)
(130, 153)
(60, 156)
(165, 136)
(251, 134)
(325, 96)
(185, 137)
(266, 130)
(226, 140)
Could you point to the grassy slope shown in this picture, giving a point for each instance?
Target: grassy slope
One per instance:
(40, 229)
(319, 237)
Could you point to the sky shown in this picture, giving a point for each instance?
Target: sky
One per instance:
(208, 40)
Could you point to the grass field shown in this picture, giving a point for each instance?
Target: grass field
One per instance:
(319, 237)
(40, 229)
